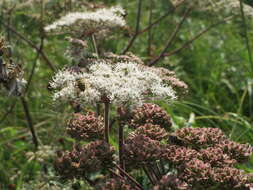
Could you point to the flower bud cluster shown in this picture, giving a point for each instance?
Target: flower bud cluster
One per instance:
(178, 155)
(205, 158)
(85, 127)
(151, 114)
(232, 178)
(83, 160)
(114, 184)
(237, 151)
(171, 182)
(154, 132)
(200, 137)
(141, 150)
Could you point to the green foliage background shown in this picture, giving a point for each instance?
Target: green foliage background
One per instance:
(216, 68)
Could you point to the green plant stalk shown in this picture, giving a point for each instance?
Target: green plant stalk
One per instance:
(121, 143)
(30, 122)
(248, 48)
(106, 121)
(93, 39)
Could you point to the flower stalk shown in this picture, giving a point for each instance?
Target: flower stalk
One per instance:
(106, 121)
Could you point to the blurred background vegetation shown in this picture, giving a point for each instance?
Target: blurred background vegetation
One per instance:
(216, 68)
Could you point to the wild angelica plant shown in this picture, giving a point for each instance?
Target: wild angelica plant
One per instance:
(189, 158)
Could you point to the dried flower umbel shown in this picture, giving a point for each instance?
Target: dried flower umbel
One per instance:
(86, 127)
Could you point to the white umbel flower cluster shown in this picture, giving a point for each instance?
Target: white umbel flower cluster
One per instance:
(101, 19)
(234, 6)
(120, 83)
(222, 6)
(42, 154)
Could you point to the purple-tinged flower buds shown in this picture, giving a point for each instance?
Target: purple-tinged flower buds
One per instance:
(85, 127)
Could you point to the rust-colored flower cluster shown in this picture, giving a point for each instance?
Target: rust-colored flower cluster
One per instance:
(240, 152)
(114, 184)
(154, 132)
(85, 127)
(141, 150)
(205, 158)
(150, 114)
(171, 182)
(83, 160)
(187, 159)
(200, 137)
(232, 178)
(178, 155)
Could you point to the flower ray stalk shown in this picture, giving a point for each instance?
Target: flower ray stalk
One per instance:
(150, 177)
(129, 177)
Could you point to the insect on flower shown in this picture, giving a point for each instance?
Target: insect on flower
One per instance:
(81, 84)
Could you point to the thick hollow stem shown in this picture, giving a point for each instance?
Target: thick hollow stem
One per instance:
(95, 44)
(106, 121)
(98, 109)
(121, 143)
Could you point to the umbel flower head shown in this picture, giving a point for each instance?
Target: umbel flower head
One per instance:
(119, 83)
(85, 127)
(218, 7)
(83, 24)
(43, 154)
(150, 114)
(81, 161)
